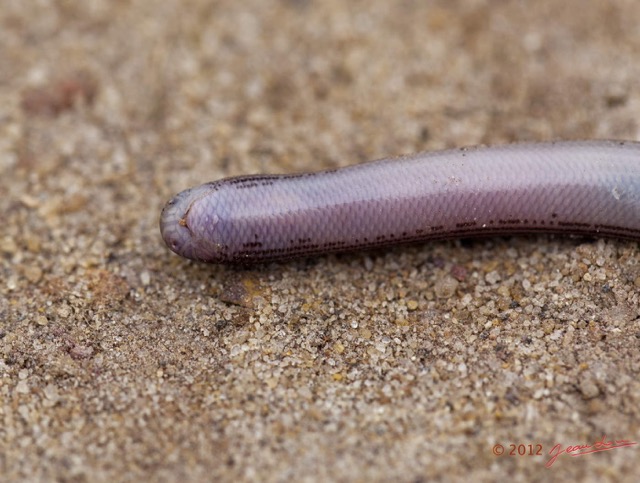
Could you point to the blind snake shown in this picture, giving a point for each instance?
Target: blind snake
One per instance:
(577, 187)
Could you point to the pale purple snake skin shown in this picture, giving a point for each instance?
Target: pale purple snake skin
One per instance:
(585, 187)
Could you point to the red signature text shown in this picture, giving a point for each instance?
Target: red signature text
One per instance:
(584, 449)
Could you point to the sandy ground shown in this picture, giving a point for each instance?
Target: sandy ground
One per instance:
(120, 361)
